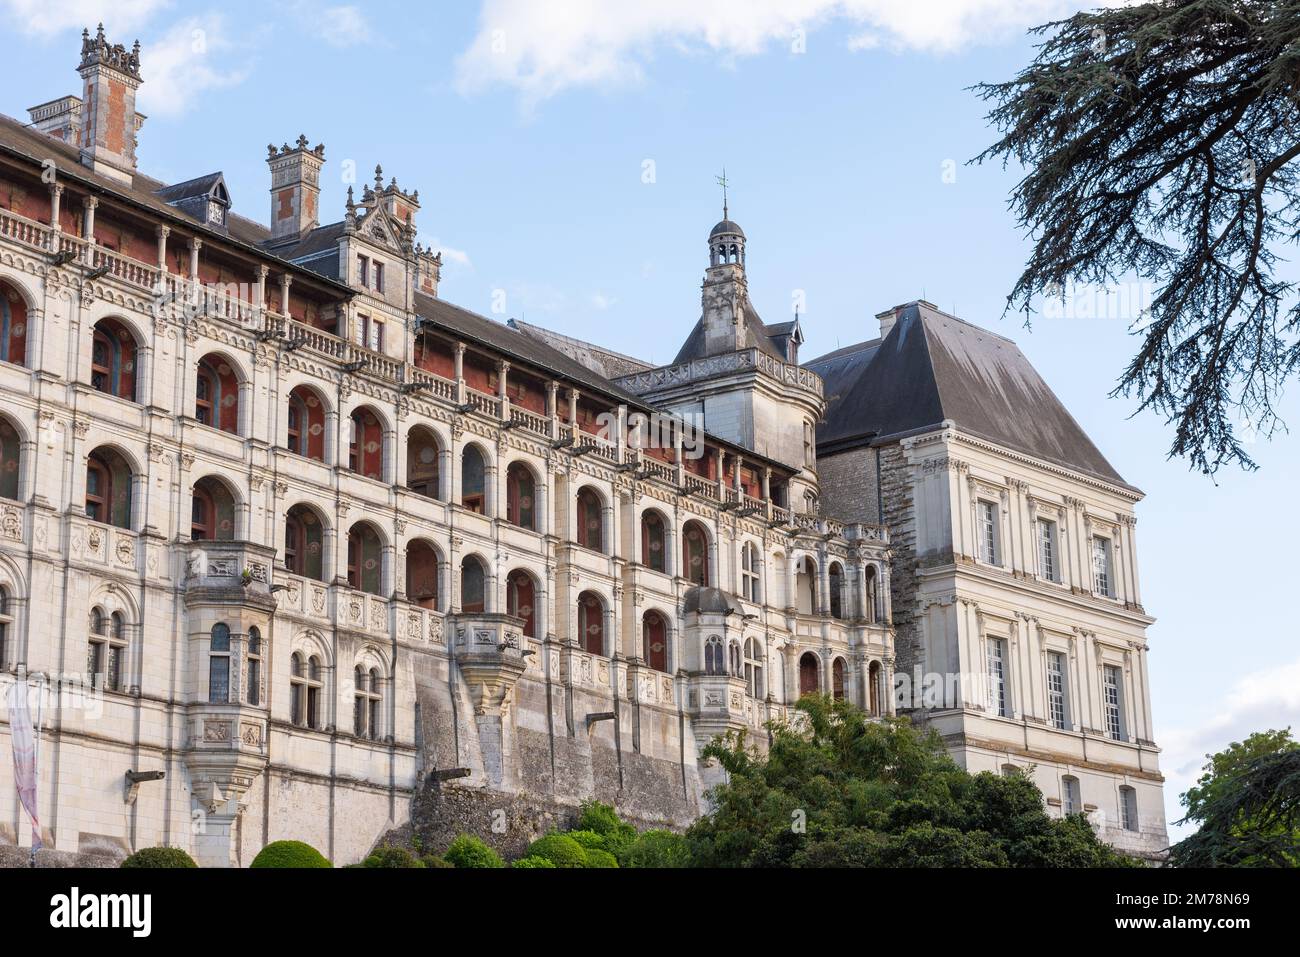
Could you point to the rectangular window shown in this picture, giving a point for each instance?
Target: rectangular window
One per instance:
(379, 277)
(997, 677)
(1047, 550)
(1128, 808)
(1056, 689)
(988, 532)
(1113, 703)
(363, 271)
(1072, 800)
(1101, 577)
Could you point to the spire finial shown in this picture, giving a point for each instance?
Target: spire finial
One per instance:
(724, 183)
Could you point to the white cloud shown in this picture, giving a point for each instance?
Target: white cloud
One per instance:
(452, 256)
(601, 302)
(344, 26)
(47, 17)
(1256, 702)
(194, 56)
(543, 49)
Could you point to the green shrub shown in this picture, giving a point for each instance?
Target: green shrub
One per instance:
(468, 851)
(657, 849)
(290, 854)
(598, 858)
(604, 820)
(159, 857)
(527, 862)
(560, 849)
(433, 860)
(588, 839)
(389, 856)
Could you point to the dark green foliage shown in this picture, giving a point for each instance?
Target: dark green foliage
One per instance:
(560, 849)
(533, 862)
(433, 860)
(588, 839)
(845, 791)
(1247, 803)
(1160, 142)
(598, 858)
(159, 857)
(657, 849)
(468, 851)
(602, 819)
(389, 856)
(290, 854)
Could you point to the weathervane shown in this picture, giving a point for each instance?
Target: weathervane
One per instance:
(724, 183)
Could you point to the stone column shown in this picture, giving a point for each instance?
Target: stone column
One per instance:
(56, 210)
(163, 232)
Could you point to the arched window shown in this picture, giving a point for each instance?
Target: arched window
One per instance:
(305, 683)
(872, 597)
(216, 395)
(212, 512)
(365, 559)
(306, 432)
(254, 683)
(113, 359)
(304, 543)
(654, 640)
(10, 460)
(521, 600)
(422, 570)
(1071, 799)
(695, 554)
(590, 520)
(806, 586)
(754, 669)
(654, 550)
(366, 444)
(473, 586)
(873, 689)
(714, 661)
(13, 325)
(422, 461)
(521, 496)
(810, 681)
(219, 664)
(835, 582)
(591, 623)
(837, 679)
(365, 703)
(473, 480)
(1128, 808)
(108, 488)
(6, 623)
(107, 648)
(749, 576)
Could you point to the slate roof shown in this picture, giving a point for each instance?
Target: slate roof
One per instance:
(934, 367)
(33, 146)
(693, 347)
(727, 227)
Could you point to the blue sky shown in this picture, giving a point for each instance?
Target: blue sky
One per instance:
(531, 131)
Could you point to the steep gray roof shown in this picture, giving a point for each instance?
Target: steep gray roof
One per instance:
(602, 361)
(934, 367)
(710, 601)
(693, 347)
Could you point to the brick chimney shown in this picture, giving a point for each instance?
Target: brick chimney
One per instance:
(295, 188)
(108, 120)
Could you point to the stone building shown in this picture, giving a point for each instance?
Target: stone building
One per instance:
(288, 539)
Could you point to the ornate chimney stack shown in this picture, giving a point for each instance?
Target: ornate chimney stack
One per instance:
(109, 122)
(295, 188)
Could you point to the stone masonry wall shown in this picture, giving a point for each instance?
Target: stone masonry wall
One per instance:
(848, 485)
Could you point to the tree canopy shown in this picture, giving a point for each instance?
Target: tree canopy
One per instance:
(837, 789)
(1247, 803)
(1159, 142)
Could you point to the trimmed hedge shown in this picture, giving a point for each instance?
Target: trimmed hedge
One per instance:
(159, 857)
(390, 856)
(468, 851)
(433, 860)
(294, 854)
(588, 839)
(529, 862)
(602, 819)
(598, 858)
(657, 849)
(560, 849)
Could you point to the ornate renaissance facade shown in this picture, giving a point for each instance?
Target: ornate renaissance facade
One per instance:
(288, 538)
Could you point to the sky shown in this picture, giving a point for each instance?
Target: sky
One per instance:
(566, 155)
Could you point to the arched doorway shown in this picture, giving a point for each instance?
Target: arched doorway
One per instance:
(654, 640)
(809, 674)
